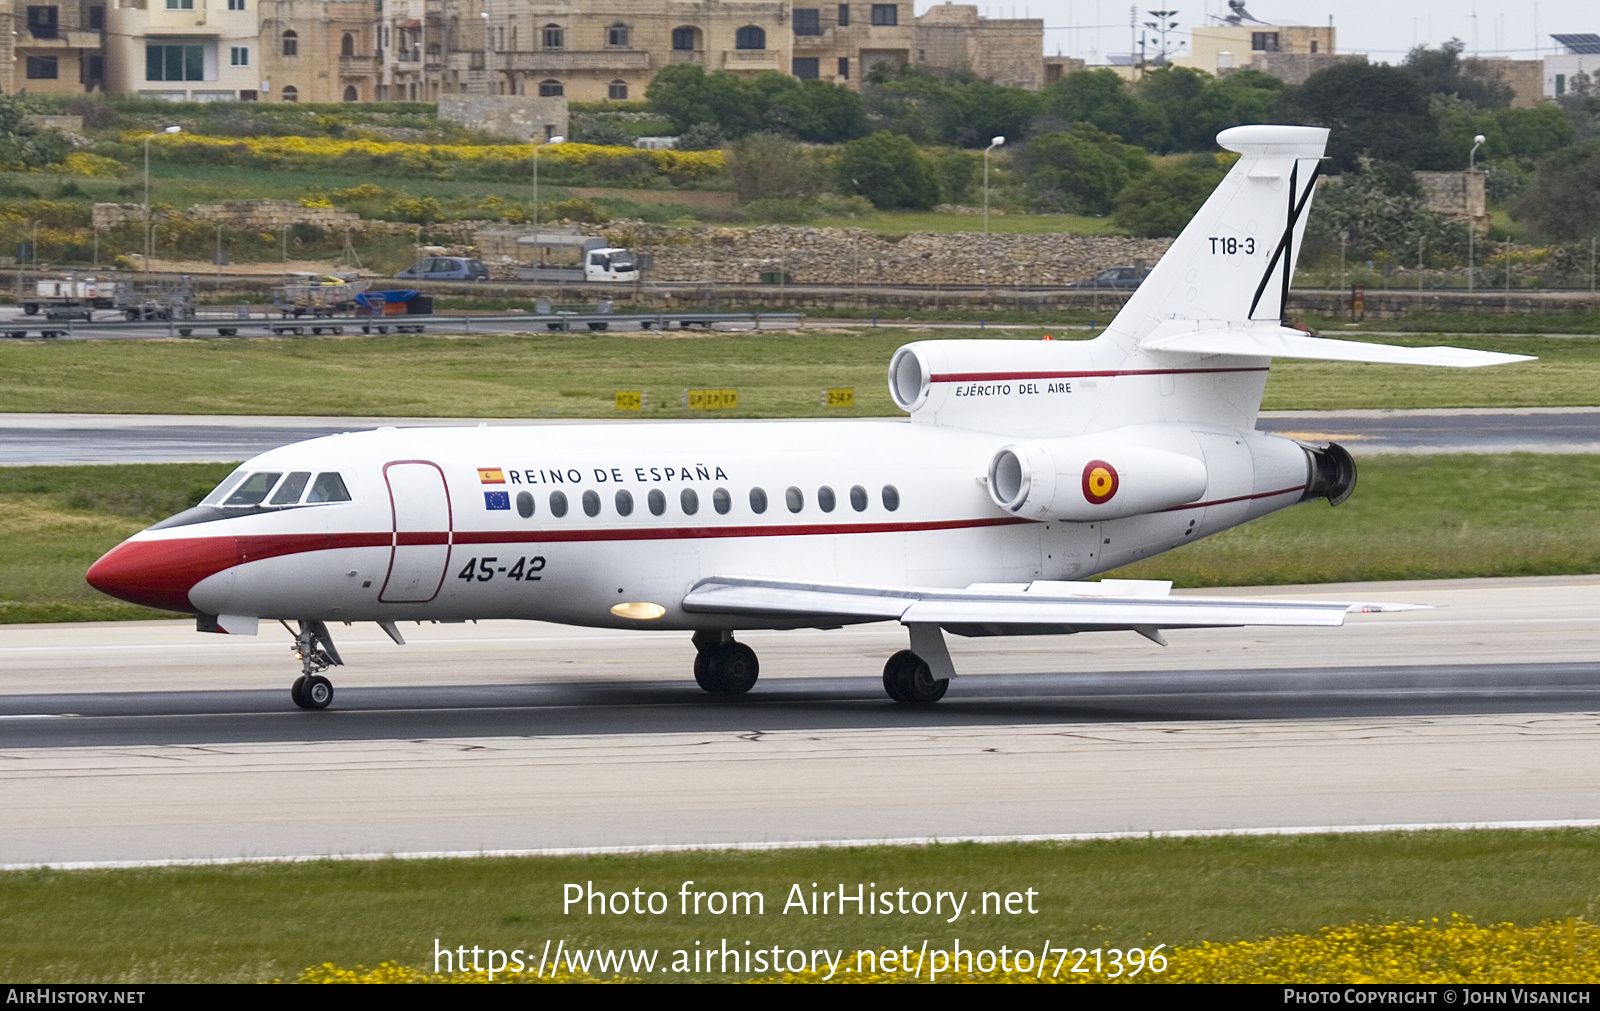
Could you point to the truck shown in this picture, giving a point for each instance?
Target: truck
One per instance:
(72, 296)
(590, 260)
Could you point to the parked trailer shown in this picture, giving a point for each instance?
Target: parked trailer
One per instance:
(72, 296)
(382, 311)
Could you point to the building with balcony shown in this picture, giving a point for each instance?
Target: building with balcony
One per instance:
(183, 50)
(1008, 51)
(319, 50)
(53, 48)
(842, 42)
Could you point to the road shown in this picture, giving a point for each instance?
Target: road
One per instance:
(143, 438)
(147, 741)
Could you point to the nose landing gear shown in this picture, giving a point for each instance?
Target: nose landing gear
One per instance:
(313, 647)
(722, 666)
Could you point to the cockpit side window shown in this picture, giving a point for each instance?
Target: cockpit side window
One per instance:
(288, 492)
(221, 491)
(253, 489)
(329, 487)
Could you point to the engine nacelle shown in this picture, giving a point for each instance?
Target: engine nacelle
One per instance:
(1090, 478)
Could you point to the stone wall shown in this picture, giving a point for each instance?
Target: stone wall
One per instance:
(524, 117)
(272, 215)
(859, 256)
(1456, 194)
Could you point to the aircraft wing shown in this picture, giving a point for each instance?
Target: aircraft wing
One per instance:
(1286, 343)
(1039, 608)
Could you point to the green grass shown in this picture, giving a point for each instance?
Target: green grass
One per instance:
(55, 521)
(778, 374)
(1411, 517)
(264, 922)
(899, 222)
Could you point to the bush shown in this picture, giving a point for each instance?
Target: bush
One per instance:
(599, 131)
(770, 166)
(889, 171)
(833, 206)
(1563, 203)
(1080, 172)
(780, 211)
(700, 137)
(1164, 200)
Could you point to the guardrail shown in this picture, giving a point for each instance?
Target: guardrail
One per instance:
(509, 323)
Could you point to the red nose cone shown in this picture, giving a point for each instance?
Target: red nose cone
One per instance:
(160, 574)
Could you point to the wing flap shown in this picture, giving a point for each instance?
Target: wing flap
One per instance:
(1264, 342)
(1036, 613)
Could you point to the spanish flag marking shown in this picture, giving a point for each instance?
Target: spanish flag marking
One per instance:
(1099, 481)
(491, 475)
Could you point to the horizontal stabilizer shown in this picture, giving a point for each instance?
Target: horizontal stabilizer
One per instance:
(1286, 343)
(1015, 609)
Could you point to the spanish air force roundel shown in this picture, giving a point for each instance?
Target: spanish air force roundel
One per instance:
(1099, 481)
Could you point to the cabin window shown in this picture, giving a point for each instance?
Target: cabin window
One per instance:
(795, 499)
(591, 503)
(658, 502)
(558, 503)
(288, 493)
(891, 497)
(721, 501)
(689, 501)
(624, 502)
(858, 499)
(825, 499)
(758, 500)
(524, 504)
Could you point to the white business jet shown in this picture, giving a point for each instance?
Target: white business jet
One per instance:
(1025, 467)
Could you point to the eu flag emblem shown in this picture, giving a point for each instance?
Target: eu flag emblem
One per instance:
(497, 500)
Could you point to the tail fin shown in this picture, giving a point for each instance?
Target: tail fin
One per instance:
(1234, 261)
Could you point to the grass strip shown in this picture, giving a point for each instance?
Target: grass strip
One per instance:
(778, 374)
(271, 921)
(1412, 517)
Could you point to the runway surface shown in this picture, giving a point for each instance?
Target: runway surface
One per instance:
(148, 741)
(114, 438)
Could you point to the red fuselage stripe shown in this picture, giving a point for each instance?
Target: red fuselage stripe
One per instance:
(990, 377)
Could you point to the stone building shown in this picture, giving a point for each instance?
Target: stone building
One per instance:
(53, 48)
(842, 42)
(318, 50)
(1229, 45)
(1008, 51)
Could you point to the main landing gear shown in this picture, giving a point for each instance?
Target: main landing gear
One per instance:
(313, 647)
(907, 678)
(722, 666)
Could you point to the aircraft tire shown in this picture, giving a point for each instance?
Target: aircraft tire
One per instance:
(728, 668)
(908, 680)
(318, 692)
(296, 691)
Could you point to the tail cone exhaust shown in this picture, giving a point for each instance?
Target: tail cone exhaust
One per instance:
(1332, 473)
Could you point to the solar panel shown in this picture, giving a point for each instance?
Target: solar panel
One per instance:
(1587, 43)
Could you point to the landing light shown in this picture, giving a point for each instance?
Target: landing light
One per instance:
(638, 610)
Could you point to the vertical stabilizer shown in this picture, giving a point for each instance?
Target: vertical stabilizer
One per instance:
(1234, 261)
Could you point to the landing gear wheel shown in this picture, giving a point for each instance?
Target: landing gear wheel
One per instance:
(297, 692)
(318, 692)
(907, 679)
(726, 668)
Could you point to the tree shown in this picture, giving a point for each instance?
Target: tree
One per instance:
(813, 111)
(1101, 98)
(1371, 110)
(1442, 71)
(1564, 201)
(888, 170)
(1078, 172)
(1380, 210)
(687, 95)
(770, 166)
(972, 114)
(1164, 200)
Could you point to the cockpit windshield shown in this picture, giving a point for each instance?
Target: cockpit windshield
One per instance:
(221, 491)
(329, 488)
(252, 491)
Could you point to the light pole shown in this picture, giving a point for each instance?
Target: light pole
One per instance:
(170, 129)
(1472, 221)
(553, 140)
(998, 141)
(488, 47)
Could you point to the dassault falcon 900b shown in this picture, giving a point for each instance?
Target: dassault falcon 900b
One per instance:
(1025, 467)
